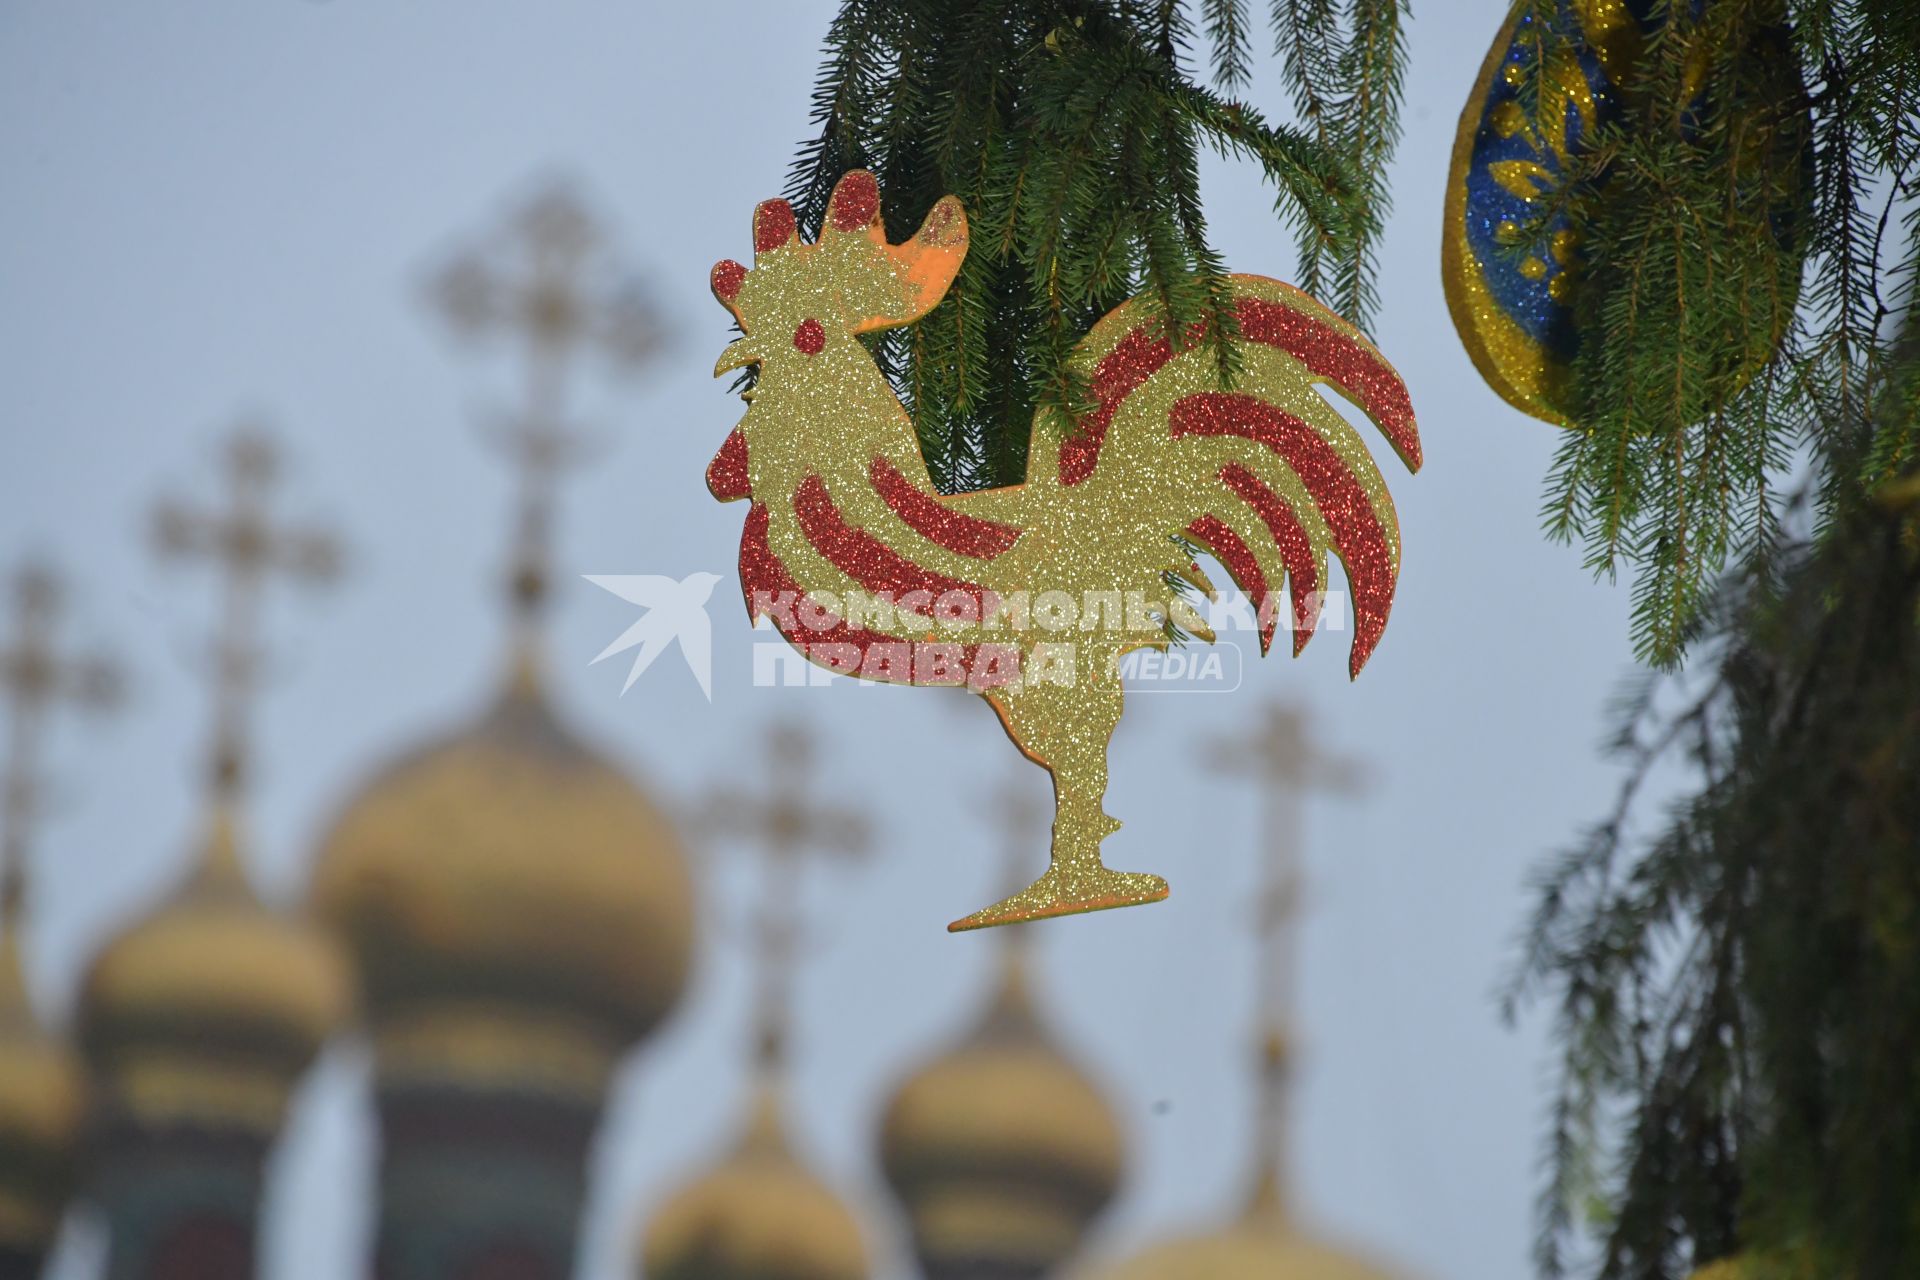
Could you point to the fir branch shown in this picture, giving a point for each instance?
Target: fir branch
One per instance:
(1071, 130)
(1705, 364)
(1226, 27)
(1739, 984)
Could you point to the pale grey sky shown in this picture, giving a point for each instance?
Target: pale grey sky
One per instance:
(215, 208)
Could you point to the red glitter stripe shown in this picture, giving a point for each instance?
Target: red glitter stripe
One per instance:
(1137, 357)
(1333, 355)
(871, 562)
(727, 473)
(1296, 549)
(1342, 502)
(1215, 534)
(761, 572)
(938, 523)
(1327, 353)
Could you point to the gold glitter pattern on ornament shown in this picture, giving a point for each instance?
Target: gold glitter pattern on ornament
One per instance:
(1031, 594)
(1503, 339)
(1537, 104)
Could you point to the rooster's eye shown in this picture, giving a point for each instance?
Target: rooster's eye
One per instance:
(810, 337)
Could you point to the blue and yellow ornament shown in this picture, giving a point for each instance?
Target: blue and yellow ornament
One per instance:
(1512, 303)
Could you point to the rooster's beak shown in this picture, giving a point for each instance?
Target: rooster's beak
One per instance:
(736, 356)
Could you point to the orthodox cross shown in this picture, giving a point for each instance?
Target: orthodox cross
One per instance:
(1023, 825)
(786, 826)
(34, 678)
(1279, 756)
(246, 547)
(547, 279)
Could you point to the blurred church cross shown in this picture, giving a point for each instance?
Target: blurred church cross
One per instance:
(34, 678)
(1022, 824)
(225, 1000)
(246, 548)
(548, 280)
(786, 826)
(43, 1085)
(761, 1211)
(1023, 830)
(1280, 757)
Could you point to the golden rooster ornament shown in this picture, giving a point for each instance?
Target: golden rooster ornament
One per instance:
(1029, 595)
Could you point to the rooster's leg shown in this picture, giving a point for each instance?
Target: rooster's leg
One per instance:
(1066, 729)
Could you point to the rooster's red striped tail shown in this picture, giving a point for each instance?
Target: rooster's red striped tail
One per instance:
(1268, 476)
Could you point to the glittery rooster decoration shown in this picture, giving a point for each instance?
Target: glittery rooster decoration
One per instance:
(1030, 594)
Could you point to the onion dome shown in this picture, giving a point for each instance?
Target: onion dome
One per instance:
(520, 910)
(1245, 1251)
(42, 1103)
(207, 1012)
(1264, 1244)
(1002, 1150)
(759, 1214)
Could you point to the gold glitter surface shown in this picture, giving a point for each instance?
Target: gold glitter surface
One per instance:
(1030, 594)
(1565, 85)
(1524, 178)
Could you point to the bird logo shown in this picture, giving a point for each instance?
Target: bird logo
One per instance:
(675, 610)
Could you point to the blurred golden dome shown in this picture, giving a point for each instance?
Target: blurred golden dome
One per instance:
(212, 1007)
(1264, 1244)
(758, 1215)
(1244, 1252)
(42, 1102)
(518, 907)
(1002, 1150)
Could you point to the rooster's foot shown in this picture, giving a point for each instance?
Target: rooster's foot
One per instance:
(1067, 890)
